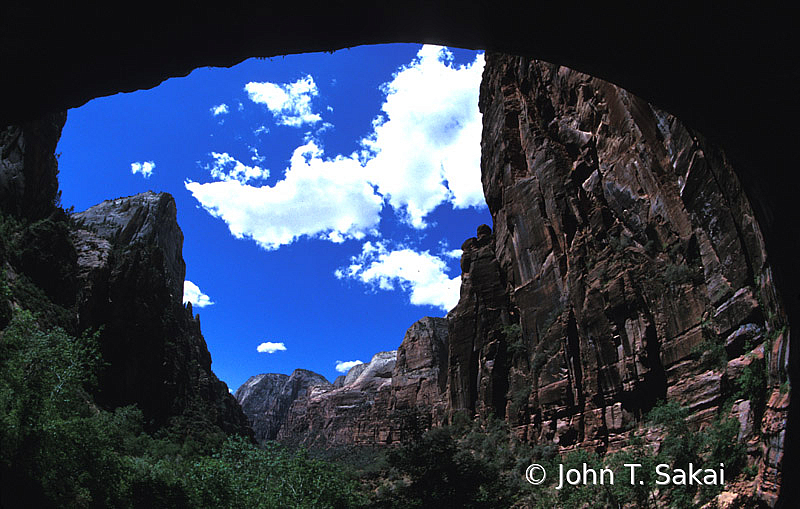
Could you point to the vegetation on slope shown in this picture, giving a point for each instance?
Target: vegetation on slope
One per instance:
(60, 450)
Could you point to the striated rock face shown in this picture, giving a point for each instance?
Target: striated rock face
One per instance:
(624, 253)
(355, 413)
(130, 272)
(477, 372)
(266, 399)
(419, 376)
(375, 403)
(145, 219)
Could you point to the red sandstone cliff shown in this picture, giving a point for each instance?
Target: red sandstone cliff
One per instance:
(632, 265)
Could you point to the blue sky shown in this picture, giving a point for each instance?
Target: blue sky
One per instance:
(323, 197)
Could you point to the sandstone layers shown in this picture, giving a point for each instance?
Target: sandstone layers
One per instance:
(628, 252)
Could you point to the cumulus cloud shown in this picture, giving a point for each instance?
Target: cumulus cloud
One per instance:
(269, 347)
(327, 198)
(220, 109)
(344, 367)
(290, 103)
(146, 168)
(425, 149)
(421, 274)
(192, 293)
(226, 168)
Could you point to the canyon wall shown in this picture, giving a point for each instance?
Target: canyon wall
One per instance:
(633, 271)
(130, 275)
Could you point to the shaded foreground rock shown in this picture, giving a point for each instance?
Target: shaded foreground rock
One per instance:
(28, 166)
(130, 273)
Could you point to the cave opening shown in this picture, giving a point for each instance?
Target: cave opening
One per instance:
(782, 253)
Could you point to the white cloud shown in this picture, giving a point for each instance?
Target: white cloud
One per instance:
(425, 151)
(290, 103)
(420, 273)
(327, 198)
(256, 157)
(192, 293)
(344, 367)
(269, 347)
(146, 168)
(220, 109)
(226, 168)
(445, 251)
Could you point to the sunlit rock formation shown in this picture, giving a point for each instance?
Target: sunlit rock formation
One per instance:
(266, 398)
(373, 404)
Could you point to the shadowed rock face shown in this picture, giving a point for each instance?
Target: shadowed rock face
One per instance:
(116, 267)
(130, 273)
(28, 166)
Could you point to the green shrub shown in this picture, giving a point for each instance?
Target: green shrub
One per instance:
(677, 274)
(519, 399)
(58, 449)
(682, 445)
(752, 385)
(514, 339)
